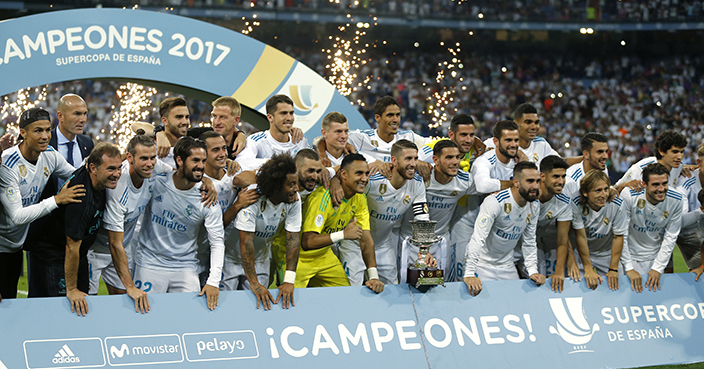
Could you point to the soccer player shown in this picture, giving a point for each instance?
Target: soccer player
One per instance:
(552, 232)
(277, 139)
(336, 131)
(654, 217)
(503, 219)
(447, 185)
(111, 254)
(595, 151)
(462, 133)
(176, 120)
(600, 227)
(669, 150)
(494, 171)
(278, 207)
(24, 174)
(323, 226)
(58, 265)
(166, 260)
(690, 239)
(388, 200)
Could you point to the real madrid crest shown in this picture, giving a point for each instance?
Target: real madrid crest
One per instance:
(528, 218)
(507, 208)
(283, 213)
(382, 188)
(23, 170)
(406, 200)
(641, 204)
(425, 208)
(665, 215)
(535, 157)
(454, 193)
(606, 221)
(548, 215)
(46, 172)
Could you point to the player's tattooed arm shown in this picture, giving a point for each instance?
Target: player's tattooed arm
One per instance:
(247, 249)
(286, 288)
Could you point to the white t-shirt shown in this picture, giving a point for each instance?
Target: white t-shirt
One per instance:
(489, 171)
(692, 214)
(538, 149)
(600, 226)
(652, 229)
(21, 186)
(261, 146)
(575, 173)
(387, 205)
(125, 205)
(173, 217)
(557, 209)
(265, 219)
(636, 172)
(500, 224)
(368, 143)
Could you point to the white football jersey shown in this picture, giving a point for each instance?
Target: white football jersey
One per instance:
(575, 173)
(489, 171)
(387, 205)
(172, 220)
(265, 219)
(636, 172)
(691, 214)
(600, 226)
(261, 146)
(652, 229)
(557, 209)
(335, 161)
(500, 224)
(538, 149)
(368, 143)
(227, 194)
(125, 205)
(21, 185)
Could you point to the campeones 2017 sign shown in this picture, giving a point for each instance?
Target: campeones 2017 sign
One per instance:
(134, 44)
(511, 324)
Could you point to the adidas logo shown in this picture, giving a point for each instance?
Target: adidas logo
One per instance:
(158, 198)
(24, 182)
(65, 356)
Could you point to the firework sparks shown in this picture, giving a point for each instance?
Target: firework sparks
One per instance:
(23, 100)
(249, 25)
(135, 105)
(347, 56)
(446, 79)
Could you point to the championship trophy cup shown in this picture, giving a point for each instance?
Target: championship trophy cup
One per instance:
(419, 274)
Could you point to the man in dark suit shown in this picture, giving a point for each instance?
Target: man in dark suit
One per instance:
(68, 140)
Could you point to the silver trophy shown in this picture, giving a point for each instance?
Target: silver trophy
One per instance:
(419, 274)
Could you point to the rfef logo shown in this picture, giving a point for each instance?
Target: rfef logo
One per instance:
(571, 324)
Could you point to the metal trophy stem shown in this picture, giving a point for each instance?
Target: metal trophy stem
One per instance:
(419, 274)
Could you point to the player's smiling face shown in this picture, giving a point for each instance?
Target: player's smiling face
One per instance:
(598, 195)
(390, 120)
(217, 152)
(656, 188)
(673, 156)
(554, 180)
(223, 120)
(464, 137)
(508, 144)
(405, 164)
(290, 190)
(336, 137)
(529, 126)
(108, 172)
(37, 135)
(177, 121)
(143, 160)
(449, 161)
(598, 155)
(356, 176)
(309, 174)
(282, 119)
(528, 184)
(194, 165)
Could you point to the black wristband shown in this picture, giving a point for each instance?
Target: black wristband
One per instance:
(613, 270)
(158, 128)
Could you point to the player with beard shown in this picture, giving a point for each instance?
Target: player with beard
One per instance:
(388, 201)
(462, 133)
(552, 232)
(494, 171)
(503, 219)
(278, 208)
(600, 227)
(669, 151)
(166, 260)
(654, 216)
(277, 139)
(447, 185)
(595, 151)
(176, 120)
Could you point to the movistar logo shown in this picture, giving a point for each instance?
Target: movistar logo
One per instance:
(114, 352)
(571, 324)
(65, 356)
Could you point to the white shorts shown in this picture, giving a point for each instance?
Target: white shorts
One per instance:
(547, 262)
(350, 255)
(459, 239)
(690, 245)
(491, 273)
(643, 267)
(100, 265)
(234, 278)
(166, 281)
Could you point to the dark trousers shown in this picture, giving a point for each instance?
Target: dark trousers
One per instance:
(10, 271)
(46, 268)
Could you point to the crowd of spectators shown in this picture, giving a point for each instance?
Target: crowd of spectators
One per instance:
(628, 99)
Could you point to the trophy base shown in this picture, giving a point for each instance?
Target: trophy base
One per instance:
(429, 277)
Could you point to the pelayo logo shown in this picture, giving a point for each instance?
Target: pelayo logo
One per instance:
(571, 324)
